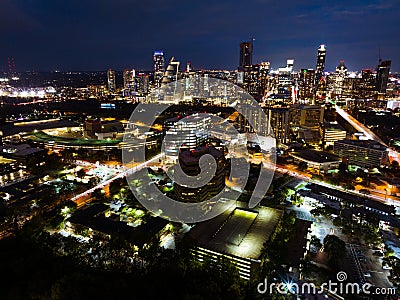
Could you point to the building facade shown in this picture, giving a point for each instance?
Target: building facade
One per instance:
(246, 54)
(111, 81)
(189, 161)
(363, 153)
(159, 66)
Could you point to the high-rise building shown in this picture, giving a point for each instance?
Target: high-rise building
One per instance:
(251, 81)
(382, 75)
(129, 82)
(363, 153)
(189, 162)
(129, 79)
(111, 80)
(320, 67)
(189, 132)
(171, 73)
(339, 77)
(332, 132)
(320, 82)
(142, 83)
(264, 75)
(279, 122)
(97, 90)
(246, 54)
(159, 67)
(285, 80)
(309, 116)
(306, 84)
(367, 88)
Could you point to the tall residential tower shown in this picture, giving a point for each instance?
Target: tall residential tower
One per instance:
(319, 72)
(159, 66)
(382, 75)
(246, 54)
(111, 80)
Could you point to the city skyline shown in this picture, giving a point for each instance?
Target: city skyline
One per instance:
(199, 150)
(86, 36)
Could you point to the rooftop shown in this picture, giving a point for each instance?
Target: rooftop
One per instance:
(238, 231)
(40, 136)
(316, 156)
(94, 218)
(370, 144)
(193, 156)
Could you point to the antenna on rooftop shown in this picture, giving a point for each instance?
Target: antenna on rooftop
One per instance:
(379, 55)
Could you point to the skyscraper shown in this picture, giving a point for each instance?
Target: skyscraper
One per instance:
(159, 66)
(192, 132)
(339, 77)
(171, 73)
(264, 76)
(306, 84)
(129, 82)
(129, 79)
(142, 84)
(285, 80)
(246, 54)
(251, 81)
(382, 75)
(320, 68)
(111, 80)
(367, 87)
(319, 72)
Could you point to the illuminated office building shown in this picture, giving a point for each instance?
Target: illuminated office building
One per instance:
(190, 132)
(171, 73)
(332, 132)
(320, 67)
(320, 80)
(189, 162)
(111, 81)
(129, 81)
(363, 153)
(159, 67)
(306, 121)
(310, 116)
(338, 79)
(382, 75)
(252, 82)
(279, 123)
(264, 76)
(142, 83)
(285, 80)
(367, 88)
(306, 84)
(246, 54)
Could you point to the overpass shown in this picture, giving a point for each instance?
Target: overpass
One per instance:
(394, 155)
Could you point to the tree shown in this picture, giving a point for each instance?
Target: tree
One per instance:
(348, 186)
(81, 173)
(343, 169)
(365, 191)
(394, 165)
(302, 166)
(335, 248)
(315, 241)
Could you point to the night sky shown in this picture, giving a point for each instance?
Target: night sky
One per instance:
(45, 35)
